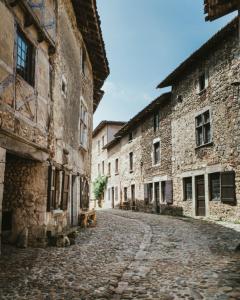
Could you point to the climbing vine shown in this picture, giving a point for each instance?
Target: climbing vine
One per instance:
(99, 186)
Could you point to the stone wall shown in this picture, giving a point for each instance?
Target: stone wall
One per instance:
(25, 195)
(223, 154)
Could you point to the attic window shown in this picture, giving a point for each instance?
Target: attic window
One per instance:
(202, 81)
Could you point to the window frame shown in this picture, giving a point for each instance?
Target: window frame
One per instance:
(200, 128)
(203, 80)
(185, 192)
(156, 121)
(109, 169)
(131, 162)
(155, 161)
(210, 178)
(28, 73)
(116, 166)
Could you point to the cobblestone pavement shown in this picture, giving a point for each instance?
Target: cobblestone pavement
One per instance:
(129, 256)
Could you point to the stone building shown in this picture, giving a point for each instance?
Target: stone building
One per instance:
(185, 145)
(102, 135)
(133, 162)
(52, 67)
(205, 128)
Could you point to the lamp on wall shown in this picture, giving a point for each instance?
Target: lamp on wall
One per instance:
(236, 89)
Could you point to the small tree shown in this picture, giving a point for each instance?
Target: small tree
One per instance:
(99, 186)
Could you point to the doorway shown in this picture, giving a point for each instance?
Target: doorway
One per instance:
(113, 196)
(200, 196)
(74, 203)
(133, 200)
(157, 196)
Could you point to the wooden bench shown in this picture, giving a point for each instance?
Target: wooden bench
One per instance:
(88, 218)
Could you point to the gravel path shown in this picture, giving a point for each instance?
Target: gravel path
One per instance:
(129, 256)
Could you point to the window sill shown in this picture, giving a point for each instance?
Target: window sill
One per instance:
(116, 174)
(205, 145)
(131, 171)
(156, 165)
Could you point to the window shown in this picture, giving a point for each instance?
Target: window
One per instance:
(187, 188)
(109, 169)
(109, 194)
(156, 153)
(125, 194)
(203, 81)
(103, 168)
(222, 187)
(25, 58)
(156, 121)
(99, 170)
(103, 141)
(130, 137)
(116, 193)
(116, 166)
(131, 161)
(54, 187)
(167, 191)
(215, 187)
(148, 193)
(203, 129)
(83, 126)
(99, 147)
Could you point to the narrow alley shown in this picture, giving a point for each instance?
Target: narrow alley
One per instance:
(129, 255)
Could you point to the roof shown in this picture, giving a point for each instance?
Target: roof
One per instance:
(90, 27)
(139, 117)
(201, 53)
(104, 123)
(218, 8)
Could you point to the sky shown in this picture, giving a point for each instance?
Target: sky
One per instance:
(146, 40)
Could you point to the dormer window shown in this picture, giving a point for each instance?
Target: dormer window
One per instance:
(202, 81)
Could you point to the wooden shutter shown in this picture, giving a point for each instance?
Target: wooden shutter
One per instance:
(228, 187)
(65, 191)
(145, 193)
(51, 188)
(81, 192)
(169, 192)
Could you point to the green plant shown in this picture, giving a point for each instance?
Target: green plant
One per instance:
(99, 186)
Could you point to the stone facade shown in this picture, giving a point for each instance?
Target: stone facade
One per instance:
(50, 86)
(219, 97)
(187, 141)
(102, 135)
(126, 185)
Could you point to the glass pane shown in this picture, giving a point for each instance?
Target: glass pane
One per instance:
(215, 186)
(199, 120)
(207, 133)
(206, 117)
(199, 136)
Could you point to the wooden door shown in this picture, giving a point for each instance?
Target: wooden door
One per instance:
(200, 196)
(157, 197)
(133, 201)
(113, 204)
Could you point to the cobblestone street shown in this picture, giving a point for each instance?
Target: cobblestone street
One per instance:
(129, 256)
